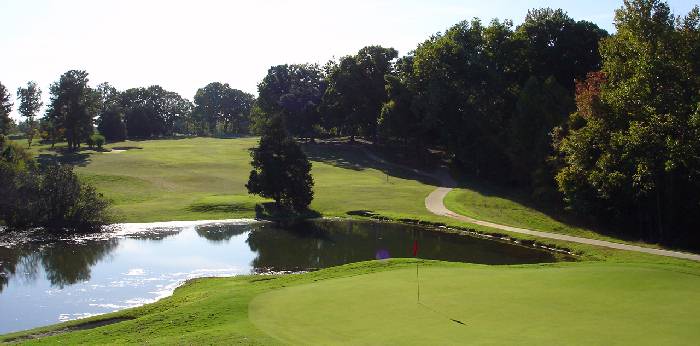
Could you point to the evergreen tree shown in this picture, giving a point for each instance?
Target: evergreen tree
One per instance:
(281, 170)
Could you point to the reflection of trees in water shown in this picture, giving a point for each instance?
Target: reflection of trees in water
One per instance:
(218, 233)
(65, 263)
(326, 243)
(317, 244)
(156, 233)
(9, 259)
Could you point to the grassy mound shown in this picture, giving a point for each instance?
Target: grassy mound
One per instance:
(375, 303)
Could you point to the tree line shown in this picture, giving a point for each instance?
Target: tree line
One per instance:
(76, 110)
(607, 126)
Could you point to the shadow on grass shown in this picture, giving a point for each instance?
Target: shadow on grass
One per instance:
(352, 156)
(271, 212)
(220, 207)
(70, 158)
(550, 210)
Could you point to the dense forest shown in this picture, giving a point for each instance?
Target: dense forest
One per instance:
(607, 126)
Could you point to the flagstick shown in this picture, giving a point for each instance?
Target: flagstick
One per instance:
(417, 281)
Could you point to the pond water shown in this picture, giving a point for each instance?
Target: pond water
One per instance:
(52, 280)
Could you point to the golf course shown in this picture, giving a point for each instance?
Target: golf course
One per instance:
(350, 172)
(606, 296)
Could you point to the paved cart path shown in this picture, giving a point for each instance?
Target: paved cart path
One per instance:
(435, 204)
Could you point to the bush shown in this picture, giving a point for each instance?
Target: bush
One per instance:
(51, 197)
(98, 140)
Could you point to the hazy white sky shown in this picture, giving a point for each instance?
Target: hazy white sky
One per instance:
(183, 45)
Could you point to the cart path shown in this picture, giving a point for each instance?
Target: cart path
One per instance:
(435, 204)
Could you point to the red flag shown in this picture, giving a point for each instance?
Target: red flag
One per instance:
(415, 248)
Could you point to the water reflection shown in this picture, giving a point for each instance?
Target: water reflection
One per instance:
(45, 280)
(63, 265)
(328, 243)
(220, 233)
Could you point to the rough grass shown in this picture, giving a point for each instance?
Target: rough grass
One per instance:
(375, 303)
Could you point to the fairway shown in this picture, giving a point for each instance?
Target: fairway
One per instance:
(558, 304)
(204, 178)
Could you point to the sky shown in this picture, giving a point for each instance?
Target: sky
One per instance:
(184, 45)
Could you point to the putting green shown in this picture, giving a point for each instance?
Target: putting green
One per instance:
(549, 304)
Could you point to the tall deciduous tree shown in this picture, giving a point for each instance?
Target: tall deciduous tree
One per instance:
(111, 118)
(557, 45)
(153, 111)
(281, 170)
(5, 109)
(29, 105)
(73, 107)
(293, 93)
(219, 103)
(631, 153)
(355, 95)
(399, 119)
(542, 105)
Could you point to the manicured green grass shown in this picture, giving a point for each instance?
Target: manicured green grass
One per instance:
(204, 178)
(623, 296)
(375, 303)
(499, 206)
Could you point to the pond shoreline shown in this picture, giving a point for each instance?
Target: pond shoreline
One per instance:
(133, 264)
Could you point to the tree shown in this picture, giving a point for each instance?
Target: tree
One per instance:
(557, 45)
(356, 91)
(281, 170)
(292, 92)
(29, 105)
(153, 111)
(73, 107)
(111, 117)
(399, 120)
(541, 106)
(219, 103)
(630, 152)
(462, 93)
(51, 197)
(5, 110)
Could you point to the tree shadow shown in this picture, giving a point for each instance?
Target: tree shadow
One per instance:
(68, 158)
(549, 209)
(220, 208)
(271, 212)
(354, 156)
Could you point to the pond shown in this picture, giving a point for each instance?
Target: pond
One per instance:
(52, 280)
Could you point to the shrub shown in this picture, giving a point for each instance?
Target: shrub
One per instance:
(51, 197)
(98, 140)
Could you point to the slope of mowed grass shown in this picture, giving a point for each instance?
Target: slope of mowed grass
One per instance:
(162, 180)
(375, 303)
(496, 206)
(204, 178)
(559, 304)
